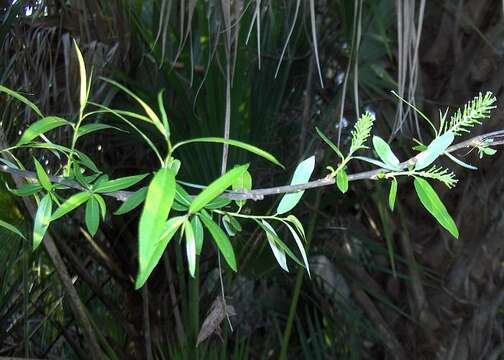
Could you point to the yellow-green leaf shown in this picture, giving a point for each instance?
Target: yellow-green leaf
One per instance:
(119, 184)
(251, 148)
(11, 228)
(132, 202)
(92, 216)
(216, 188)
(42, 220)
(42, 176)
(384, 151)
(170, 229)
(392, 193)
(83, 78)
(190, 247)
(342, 181)
(198, 233)
(301, 176)
(220, 239)
(71, 203)
(21, 98)
(40, 127)
(157, 206)
(431, 201)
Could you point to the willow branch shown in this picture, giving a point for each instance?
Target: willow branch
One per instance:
(493, 138)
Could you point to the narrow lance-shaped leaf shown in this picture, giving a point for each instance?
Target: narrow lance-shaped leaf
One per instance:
(40, 127)
(158, 202)
(299, 245)
(92, 216)
(243, 182)
(221, 240)
(90, 128)
(392, 193)
(299, 227)
(385, 152)
(190, 247)
(342, 181)
(251, 148)
(216, 188)
(301, 175)
(21, 98)
(70, 204)
(25, 190)
(119, 184)
(42, 220)
(278, 252)
(101, 203)
(148, 110)
(132, 202)
(83, 78)
(431, 201)
(11, 228)
(170, 229)
(434, 150)
(198, 233)
(42, 176)
(330, 143)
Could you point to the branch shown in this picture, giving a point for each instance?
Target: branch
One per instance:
(492, 138)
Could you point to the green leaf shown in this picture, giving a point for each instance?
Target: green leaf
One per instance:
(430, 200)
(164, 116)
(220, 239)
(190, 247)
(488, 151)
(330, 143)
(460, 162)
(244, 182)
(132, 202)
(119, 184)
(216, 188)
(392, 193)
(385, 152)
(300, 246)
(434, 150)
(342, 181)
(71, 203)
(40, 127)
(377, 163)
(83, 78)
(92, 216)
(21, 98)
(11, 228)
(301, 176)
(280, 244)
(25, 190)
(42, 176)
(217, 203)
(157, 206)
(198, 233)
(255, 150)
(278, 252)
(103, 206)
(90, 128)
(87, 162)
(42, 220)
(170, 229)
(148, 110)
(231, 225)
(299, 227)
(227, 226)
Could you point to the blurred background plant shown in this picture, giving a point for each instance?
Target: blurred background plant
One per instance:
(276, 69)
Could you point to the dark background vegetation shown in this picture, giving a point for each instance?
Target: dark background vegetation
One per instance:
(445, 299)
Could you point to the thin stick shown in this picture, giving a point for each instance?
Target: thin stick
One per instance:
(493, 138)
